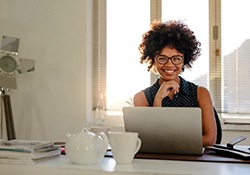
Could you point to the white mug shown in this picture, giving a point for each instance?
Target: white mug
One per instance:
(124, 145)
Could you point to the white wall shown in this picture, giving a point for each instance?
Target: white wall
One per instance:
(55, 98)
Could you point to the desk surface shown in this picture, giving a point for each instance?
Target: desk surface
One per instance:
(62, 166)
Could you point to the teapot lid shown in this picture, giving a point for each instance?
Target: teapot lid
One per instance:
(87, 131)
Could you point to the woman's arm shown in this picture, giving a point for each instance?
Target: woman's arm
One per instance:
(208, 119)
(140, 99)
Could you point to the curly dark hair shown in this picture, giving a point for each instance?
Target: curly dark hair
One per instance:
(174, 34)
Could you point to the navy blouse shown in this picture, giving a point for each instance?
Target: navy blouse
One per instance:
(187, 96)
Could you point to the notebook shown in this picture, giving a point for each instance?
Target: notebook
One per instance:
(168, 130)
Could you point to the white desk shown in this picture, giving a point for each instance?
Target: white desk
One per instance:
(62, 166)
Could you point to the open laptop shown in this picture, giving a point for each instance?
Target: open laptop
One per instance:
(168, 130)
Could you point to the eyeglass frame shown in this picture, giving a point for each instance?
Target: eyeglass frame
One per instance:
(169, 58)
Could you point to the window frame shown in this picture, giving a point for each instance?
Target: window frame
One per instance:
(215, 75)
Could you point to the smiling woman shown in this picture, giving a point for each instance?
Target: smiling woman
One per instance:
(174, 40)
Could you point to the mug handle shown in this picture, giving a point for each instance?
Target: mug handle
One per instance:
(138, 145)
(105, 139)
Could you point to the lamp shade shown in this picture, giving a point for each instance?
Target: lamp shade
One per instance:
(8, 64)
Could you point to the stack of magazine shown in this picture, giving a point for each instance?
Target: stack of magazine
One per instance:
(27, 152)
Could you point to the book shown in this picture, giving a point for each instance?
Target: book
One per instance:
(24, 145)
(30, 155)
(27, 152)
(25, 161)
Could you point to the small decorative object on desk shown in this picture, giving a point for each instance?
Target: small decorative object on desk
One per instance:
(27, 152)
(100, 111)
(239, 151)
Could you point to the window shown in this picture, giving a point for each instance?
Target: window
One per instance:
(235, 56)
(222, 67)
(125, 75)
(235, 43)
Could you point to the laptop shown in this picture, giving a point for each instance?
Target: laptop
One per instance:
(167, 130)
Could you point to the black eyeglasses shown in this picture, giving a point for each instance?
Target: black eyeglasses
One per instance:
(176, 59)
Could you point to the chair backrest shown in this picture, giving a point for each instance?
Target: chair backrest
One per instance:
(219, 130)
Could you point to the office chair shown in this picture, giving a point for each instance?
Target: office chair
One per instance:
(218, 125)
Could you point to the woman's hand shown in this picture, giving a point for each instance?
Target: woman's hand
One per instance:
(168, 88)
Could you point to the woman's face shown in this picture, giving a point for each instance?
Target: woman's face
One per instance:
(166, 67)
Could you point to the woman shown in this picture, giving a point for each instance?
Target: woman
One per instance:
(168, 48)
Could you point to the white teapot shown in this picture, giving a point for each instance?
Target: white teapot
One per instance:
(86, 147)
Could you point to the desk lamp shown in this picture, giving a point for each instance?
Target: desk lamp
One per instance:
(10, 66)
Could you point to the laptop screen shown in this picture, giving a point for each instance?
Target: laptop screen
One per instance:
(169, 130)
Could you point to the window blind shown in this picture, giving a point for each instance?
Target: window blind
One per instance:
(235, 42)
(99, 51)
(155, 14)
(215, 81)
